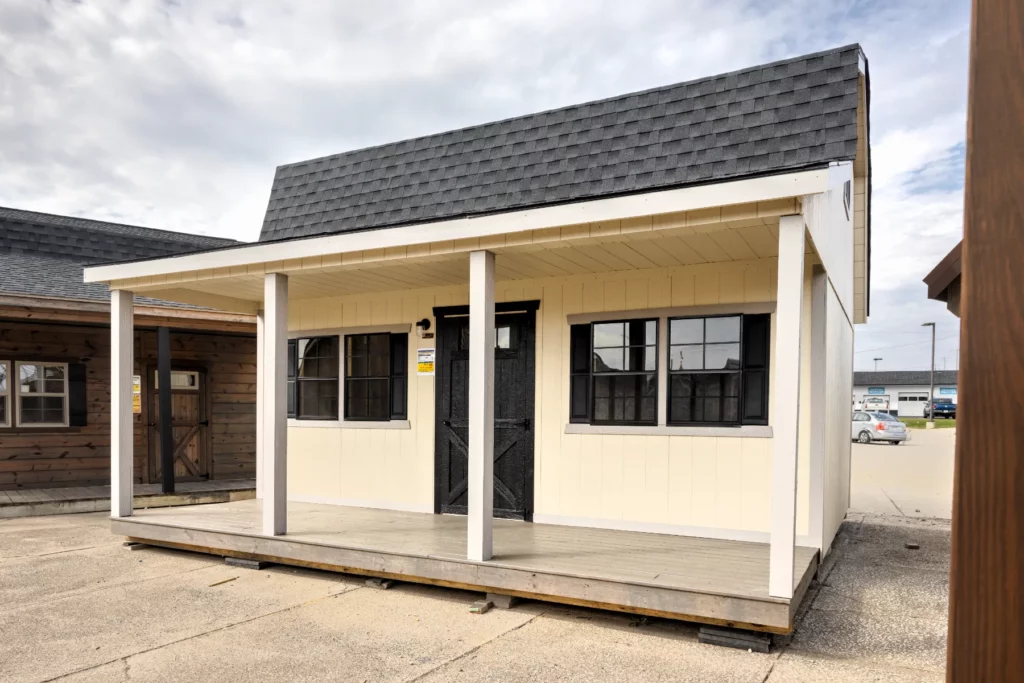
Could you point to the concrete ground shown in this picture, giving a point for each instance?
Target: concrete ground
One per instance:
(914, 479)
(77, 607)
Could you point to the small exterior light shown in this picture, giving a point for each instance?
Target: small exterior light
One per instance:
(422, 327)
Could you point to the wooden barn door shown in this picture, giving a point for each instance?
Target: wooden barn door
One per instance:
(190, 422)
(513, 414)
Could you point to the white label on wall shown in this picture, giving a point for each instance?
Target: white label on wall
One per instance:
(424, 361)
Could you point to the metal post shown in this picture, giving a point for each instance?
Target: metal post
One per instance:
(163, 381)
(931, 389)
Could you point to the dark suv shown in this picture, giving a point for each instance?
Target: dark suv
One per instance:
(944, 407)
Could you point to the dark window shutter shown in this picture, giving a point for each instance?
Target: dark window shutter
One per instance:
(78, 408)
(579, 373)
(292, 365)
(399, 376)
(757, 331)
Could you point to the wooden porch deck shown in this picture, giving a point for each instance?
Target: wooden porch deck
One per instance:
(703, 580)
(75, 499)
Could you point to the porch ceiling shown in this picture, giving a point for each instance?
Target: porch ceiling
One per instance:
(731, 233)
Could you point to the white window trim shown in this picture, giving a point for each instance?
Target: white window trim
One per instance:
(16, 386)
(663, 315)
(340, 333)
(5, 418)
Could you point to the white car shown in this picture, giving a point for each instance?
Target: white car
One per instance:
(868, 427)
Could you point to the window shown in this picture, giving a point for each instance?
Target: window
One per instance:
(718, 370)
(42, 394)
(376, 376)
(704, 370)
(614, 372)
(313, 378)
(181, 380)
(5, 394)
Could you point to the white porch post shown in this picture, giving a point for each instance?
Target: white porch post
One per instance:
(479, 542)
(260, 382)
(819, 355)
(274, 398)
(786, 405)
(122, 362)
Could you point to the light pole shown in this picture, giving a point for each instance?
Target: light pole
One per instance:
(931, 389)
(876, 363)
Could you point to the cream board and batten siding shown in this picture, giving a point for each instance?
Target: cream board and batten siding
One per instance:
(711, 486)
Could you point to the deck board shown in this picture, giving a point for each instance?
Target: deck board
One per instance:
(635, 560)
(71, 499)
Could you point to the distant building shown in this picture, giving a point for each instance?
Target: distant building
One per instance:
(902, 392)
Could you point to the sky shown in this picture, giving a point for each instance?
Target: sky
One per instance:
(174, 113)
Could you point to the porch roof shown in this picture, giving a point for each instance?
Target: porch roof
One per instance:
(724, 222)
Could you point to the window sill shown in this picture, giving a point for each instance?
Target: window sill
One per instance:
(748, 431)
(349, 424)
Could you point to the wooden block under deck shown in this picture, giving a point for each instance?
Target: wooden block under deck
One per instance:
(496, 576)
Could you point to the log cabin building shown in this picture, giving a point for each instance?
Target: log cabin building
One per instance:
(55, 362)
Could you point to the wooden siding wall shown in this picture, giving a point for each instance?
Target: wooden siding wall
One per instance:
(699, 484)
(80, 456)
(838, 390)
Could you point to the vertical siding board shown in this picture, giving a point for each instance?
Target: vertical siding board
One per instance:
(704, 482)
(613, 464)
(729, 472)
(614, 295)
(683, 287)
(590, 472)
(656, 479)
(680, 479)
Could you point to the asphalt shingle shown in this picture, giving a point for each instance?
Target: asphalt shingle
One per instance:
(792, 114)
(43, 254)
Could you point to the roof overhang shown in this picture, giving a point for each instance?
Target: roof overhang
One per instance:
(89, 311)
(944, 274)
(282, 255)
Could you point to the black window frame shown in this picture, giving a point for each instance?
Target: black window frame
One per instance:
(594, 375)
(396, 377)
(294, 380)
(704, 344)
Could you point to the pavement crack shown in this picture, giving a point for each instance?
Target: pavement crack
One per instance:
(194, 636)
(886, 494)
(475, 648)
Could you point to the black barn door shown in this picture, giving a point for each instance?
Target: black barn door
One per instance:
(513, 411)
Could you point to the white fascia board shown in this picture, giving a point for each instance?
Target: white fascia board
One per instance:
(761, 189)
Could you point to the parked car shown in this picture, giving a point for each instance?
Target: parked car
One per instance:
(944, 407)
(868, 427)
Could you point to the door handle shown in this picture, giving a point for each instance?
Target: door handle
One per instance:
(446, 423)
(205, 423)
(527, 423)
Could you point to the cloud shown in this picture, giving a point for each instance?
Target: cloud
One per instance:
(175, 114)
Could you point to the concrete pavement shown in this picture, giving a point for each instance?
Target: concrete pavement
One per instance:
(80, 608)
(914, 479)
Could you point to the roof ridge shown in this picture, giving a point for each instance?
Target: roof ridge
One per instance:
(546, 112)
(59, 220)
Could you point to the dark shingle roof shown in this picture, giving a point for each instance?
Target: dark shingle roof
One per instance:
(43, 254)
(777, 117)
(41, 275)
(903, 378)
(93, 241)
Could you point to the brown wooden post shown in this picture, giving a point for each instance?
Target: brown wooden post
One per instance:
(986, 611)
(163, 382)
